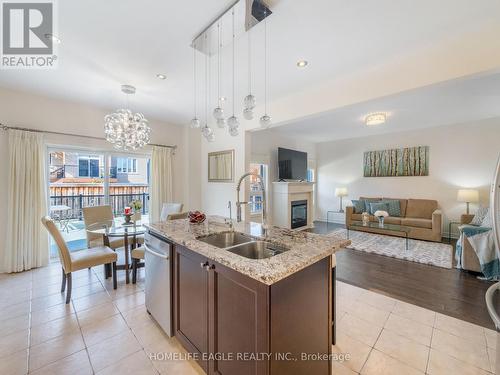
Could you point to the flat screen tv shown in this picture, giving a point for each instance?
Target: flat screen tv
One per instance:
(292, 165)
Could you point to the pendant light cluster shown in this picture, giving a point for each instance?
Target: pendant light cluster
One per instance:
(232, 123)
(265, 121)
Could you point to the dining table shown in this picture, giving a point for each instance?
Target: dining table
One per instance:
(117, 229)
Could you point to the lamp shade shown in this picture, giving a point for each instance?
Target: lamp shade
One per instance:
(341, 192)
(468, 195)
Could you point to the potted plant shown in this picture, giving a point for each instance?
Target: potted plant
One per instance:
(137, 207)
(381, 215)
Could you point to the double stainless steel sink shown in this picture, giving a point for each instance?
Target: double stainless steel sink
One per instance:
(243, 245)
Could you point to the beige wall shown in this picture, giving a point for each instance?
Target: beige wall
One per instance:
(462, 155)
(38, 112)
(215, 195)
(264, 149)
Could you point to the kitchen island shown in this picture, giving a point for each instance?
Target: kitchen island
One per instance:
(237, 315)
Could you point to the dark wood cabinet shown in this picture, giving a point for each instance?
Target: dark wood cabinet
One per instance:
(235, 324)
(191, 302)
(238, 322)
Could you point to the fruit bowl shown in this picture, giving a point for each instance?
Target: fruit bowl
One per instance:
(196, 217)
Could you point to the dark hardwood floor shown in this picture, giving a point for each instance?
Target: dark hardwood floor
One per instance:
(448, 291)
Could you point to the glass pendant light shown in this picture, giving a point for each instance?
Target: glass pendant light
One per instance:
(195, 122)
(232, 122)
(219, 112)
(265, 121)
(221, 123)
(249, 102)
(207, 131)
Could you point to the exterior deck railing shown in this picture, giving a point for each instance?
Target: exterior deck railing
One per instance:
(117, 201)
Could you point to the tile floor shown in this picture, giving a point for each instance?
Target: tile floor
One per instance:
(387, 336)
(103, 331)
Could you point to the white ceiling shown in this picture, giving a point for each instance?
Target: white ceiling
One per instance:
(453, 102)
(108, 43)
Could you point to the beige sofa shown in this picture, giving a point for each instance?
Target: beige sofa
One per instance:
(421, 215)
(470, 260)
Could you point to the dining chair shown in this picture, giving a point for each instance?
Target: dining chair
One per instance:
(169, 209)
(137, 255)
(98, 214)
(78, 260)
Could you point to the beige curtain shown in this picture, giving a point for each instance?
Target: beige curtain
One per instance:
(161, 180)
(27, 240)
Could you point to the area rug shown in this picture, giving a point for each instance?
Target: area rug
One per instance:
(431, 253)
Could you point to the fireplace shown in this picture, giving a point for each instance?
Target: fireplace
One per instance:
(299, 214)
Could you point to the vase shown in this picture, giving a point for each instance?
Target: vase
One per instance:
(127, 218)
(381, 221)
(365, 218)
(136, 216)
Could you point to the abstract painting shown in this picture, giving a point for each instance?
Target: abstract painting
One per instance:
(409, 161)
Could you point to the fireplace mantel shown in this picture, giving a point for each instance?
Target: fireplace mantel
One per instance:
(284, 193)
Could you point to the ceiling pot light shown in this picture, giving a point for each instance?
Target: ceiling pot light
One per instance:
(161, 76)
(375, 118)
(54, 38)
(302, 63)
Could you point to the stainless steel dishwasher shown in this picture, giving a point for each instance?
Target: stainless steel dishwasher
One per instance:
(158, 280)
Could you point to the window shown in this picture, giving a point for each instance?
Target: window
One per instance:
(83, 167)
(126, 165)
(85, 178)
(310, 175)
(255, 189)
(88, 167)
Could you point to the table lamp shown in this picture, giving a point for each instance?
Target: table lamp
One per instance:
(341, 192)
(468, 196)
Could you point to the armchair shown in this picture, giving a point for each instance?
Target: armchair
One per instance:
(469, 259)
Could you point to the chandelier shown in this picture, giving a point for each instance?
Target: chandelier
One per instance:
(126, 130)
(240, 17)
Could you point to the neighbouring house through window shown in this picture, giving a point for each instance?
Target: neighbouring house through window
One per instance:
(255, 189)
(126, 165)
(88, 167)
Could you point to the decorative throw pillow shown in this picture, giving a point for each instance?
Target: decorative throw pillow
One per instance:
(394, 207)
(359, 206)
(378, 206)
(480, 215)
(487, 221)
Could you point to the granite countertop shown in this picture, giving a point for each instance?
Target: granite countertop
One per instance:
(305, 248)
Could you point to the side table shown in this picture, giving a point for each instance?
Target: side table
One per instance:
(338, 217)
(449, 228)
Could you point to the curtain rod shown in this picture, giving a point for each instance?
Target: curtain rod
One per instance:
(5, 127)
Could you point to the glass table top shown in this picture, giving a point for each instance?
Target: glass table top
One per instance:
(386, 226)
(112, 228)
